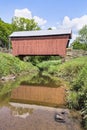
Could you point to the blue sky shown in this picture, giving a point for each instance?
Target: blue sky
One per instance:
(48, 13)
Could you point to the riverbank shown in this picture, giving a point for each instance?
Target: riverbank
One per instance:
(11, 67)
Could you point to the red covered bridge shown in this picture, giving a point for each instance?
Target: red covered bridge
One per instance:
(42, 42)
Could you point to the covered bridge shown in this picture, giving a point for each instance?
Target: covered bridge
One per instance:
(42, 42)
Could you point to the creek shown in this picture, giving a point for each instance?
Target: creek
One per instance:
(32, 107)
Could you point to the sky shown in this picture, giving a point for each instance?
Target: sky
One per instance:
(57, 14)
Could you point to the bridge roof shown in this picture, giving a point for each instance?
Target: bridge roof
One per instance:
(41, 33)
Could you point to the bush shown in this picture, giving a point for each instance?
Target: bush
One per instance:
(79, 46)
(38, 59)
(48, 65)
(72, 100)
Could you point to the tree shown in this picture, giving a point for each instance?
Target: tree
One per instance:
(22, 24)
(5, 31)
(49, 28)
(18, 24)
(81, 40)
(83, 35)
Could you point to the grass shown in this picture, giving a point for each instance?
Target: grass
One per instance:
(13, 65)
(71, 69)
(75, 72)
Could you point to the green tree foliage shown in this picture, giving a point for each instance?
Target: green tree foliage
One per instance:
(81, 40)
(83, 35)
(22, 24)
(49, 28)
(38, 59)
(5, 31)
(18, 24)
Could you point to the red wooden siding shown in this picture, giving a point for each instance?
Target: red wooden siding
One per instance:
(43, 45)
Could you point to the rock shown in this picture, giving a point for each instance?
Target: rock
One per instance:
(85, 117)
(63, 112)
(7, 78)
(59, 118)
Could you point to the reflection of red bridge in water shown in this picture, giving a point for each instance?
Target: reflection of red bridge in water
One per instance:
(39, 95)
(42, 42)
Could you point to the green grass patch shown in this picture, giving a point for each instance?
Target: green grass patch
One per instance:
(71, 69)
(75, 72)
(13, 65)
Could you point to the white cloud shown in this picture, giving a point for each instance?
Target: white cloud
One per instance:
(26, 13)
(53, 28)
(39, 20)
(23, 13)
(76, 24)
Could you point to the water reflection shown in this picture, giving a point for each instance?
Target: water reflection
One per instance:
(39, 95)
(20, 111)
(7, 87)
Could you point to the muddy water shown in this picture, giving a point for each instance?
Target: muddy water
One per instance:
(40, 95)
(14, 116)
(32, 117)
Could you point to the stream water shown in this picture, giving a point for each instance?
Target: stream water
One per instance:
(19, 116)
